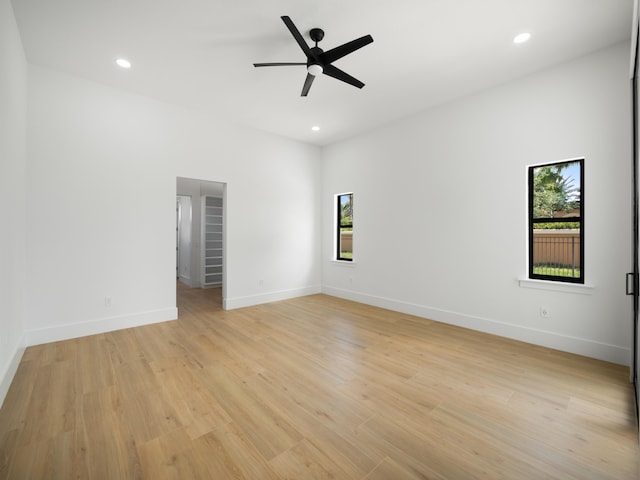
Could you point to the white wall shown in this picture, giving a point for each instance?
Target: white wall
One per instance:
(440, 208)
(13, 159)
(101, 207)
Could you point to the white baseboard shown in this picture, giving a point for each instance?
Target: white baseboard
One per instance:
(565, 343)
(191, 283)
(12, 368)
(248, 301)
(100, 325)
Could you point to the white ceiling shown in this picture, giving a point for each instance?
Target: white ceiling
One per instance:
(200, 53)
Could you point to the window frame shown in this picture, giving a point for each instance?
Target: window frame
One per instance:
(533, 221)
(338, 255)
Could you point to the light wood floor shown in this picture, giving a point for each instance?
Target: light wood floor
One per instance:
(314, 387)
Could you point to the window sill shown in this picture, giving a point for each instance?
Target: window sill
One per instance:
(557, 286)
(344, 263)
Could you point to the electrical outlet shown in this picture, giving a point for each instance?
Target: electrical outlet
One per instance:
(544, 312)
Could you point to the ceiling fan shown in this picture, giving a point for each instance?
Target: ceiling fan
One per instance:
(319, 61)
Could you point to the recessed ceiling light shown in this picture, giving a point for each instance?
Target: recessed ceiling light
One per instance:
(123, 62)
(521, 37)
(315, 128)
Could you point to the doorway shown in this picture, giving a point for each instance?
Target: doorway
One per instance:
(200, 237)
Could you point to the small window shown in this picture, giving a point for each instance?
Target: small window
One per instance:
(556, 221)
(344, 227)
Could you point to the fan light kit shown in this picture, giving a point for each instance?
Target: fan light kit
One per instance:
(319, 61)
(315, 69)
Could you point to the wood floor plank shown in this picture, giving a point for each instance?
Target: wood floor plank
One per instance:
(249, 462)
(93, 352)
(306, 460)
(502, 454)
(401, 401)
(15, 409)
(108, 437)
(398, 442)
(268, 431)
(314, 425)
(176, 456)
(388, 469)
(542, 449)
(313, 387)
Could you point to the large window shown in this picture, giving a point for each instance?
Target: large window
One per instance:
(556, 221)
(344, 227)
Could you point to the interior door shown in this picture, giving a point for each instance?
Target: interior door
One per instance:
(632, 279)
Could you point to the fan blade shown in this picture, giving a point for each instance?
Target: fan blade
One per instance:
(334, 54)
(343, 76)
(307, 84)
(296, 34)
(281, 64)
